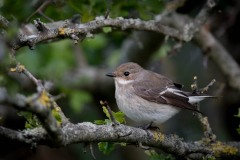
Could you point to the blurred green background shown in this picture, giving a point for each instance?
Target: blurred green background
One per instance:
(78, 71)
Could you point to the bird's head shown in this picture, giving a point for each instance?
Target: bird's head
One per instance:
(126, 73)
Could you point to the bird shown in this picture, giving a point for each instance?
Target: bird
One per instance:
(149, 98)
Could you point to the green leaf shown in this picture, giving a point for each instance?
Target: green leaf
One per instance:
(211, 158)
(31, 120)
(119, 116)
(123, 144)
(238, 129)
(238, 115)
(106, 147)
(155, 156)
(107, 29)
(57, 116)
(106, 112)
(100, 122)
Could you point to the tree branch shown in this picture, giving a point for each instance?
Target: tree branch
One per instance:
(4, 23)
(87, 29)
(74, 31)
(14, 135)
(42, 105)
(89, 132)
(212, 47)
(57, 135)
(220, 56)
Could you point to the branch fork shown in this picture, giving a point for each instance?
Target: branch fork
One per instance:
(208, 133)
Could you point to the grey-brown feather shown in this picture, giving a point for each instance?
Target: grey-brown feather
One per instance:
(147, 90)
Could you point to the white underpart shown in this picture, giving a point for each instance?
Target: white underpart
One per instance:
(123, 81)
(139, 109)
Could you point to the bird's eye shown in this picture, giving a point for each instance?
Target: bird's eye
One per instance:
(126, 73)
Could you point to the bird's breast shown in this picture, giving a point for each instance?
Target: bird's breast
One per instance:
(141, 110)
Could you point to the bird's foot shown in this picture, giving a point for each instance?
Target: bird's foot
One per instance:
(149, 126)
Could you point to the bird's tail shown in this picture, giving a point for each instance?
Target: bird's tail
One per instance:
(198, 98)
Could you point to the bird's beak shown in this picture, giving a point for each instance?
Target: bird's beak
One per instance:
(111, 74)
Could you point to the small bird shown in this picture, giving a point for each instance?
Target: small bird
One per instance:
(149, 98)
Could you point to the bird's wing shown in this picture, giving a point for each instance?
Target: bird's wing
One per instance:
(167, 94)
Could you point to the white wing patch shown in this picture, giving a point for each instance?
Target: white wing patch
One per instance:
(192, 99)
(173, 91)
(176, 92)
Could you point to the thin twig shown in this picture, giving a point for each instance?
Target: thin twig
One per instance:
(40, 9)
(85, 147)
(112, 118)
(208, 133)
(142, 146)
(92, 152)
(21, 69)
(194, 86)
(57, 97)
(205, 89)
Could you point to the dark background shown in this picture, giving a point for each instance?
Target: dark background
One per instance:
(78, 71)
